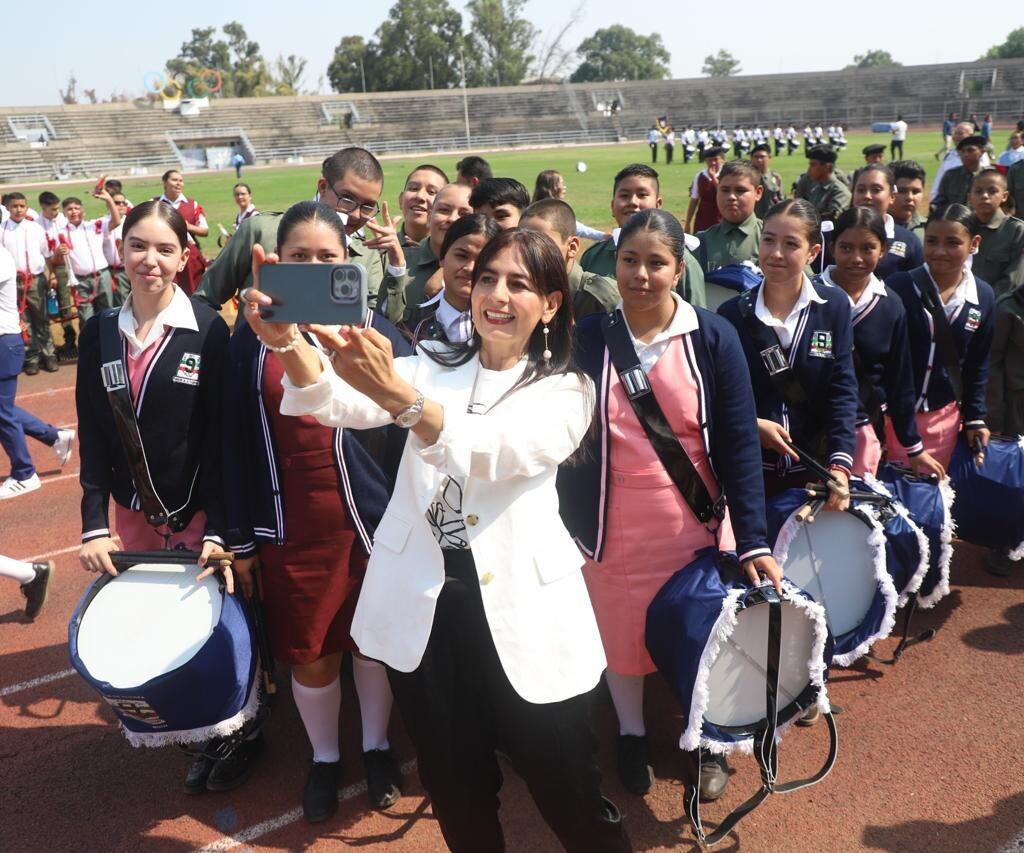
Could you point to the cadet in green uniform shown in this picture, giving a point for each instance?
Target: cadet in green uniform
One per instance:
(735, 239)
(874, 153)
(1000, 257)
(1015, 184)
(905, 210)
(416, 200)
(829, 195)
(351, 182)
(771, 182)
(403, 295)
(591, 293)
(637, 188)
(957, 181)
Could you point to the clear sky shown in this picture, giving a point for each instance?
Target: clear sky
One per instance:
(111, 51)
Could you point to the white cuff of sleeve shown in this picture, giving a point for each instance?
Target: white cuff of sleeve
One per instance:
(302, 401)
(396, 271)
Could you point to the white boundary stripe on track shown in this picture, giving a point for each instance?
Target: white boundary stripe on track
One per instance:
(48, 393)
(35, 682)
(246, 836)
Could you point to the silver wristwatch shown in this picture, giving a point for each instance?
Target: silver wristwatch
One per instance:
(409, 417)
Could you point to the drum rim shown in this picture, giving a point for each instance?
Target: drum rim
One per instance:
(924, 547)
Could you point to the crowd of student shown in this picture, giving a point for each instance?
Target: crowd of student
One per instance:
(457, 490)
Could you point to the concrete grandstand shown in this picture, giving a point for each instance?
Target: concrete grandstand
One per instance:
(41, 143)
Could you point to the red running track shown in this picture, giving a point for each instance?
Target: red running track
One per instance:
(930, 750)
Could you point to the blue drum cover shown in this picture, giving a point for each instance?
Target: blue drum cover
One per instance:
(930, 507)
(688, 620)
(906, 545)
(989, 508)
(211, 695)
(738, 277)
(880, 618)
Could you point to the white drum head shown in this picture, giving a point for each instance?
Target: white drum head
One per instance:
(831, 560)
(736, 683)
(717, 295)
(147, 621)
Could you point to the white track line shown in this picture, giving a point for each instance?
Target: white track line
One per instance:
(73, 474)
(38, 558)
(48, 393)
(35, 682)
(246, 836)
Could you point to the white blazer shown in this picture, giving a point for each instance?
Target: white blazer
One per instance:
(534, 595)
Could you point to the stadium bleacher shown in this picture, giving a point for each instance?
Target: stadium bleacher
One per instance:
(143, 136)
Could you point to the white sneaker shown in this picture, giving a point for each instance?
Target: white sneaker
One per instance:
(12, 488)
(64, 445)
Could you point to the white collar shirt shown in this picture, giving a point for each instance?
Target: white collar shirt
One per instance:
(966, 293)
(875, 287)
(785, 330)
(10, 319)
(86, 242)
(177, 315)
(457, 325)
(52, 226)
(683, 322)
(26, 241)
(178, 202)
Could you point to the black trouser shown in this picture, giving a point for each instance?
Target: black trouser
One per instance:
(669, 150)
(458, 707)
(896, 143)
(778, 147)
(654, 151)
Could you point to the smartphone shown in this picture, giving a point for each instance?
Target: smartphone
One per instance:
(329, 294)
(100, 184)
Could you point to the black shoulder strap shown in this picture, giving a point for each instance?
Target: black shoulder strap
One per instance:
(945, 347)
(867, 391)
(774, 359)
(115, 380)
(662, 437)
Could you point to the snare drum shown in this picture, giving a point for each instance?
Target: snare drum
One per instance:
(174, 658)
(989, 509)
(724, 283)
(840, 560)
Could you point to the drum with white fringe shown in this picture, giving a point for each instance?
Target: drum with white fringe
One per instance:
(174, 658)
(840, 560)
(722, 284)
(907, 551)
(989, 508)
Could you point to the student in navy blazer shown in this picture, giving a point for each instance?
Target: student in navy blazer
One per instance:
(968, 304)
(811, 349)
(881, 349)
(875, 187)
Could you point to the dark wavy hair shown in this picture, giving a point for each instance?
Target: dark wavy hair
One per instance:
(310, 211)
(657, 221)
(958, 213)
(546, 268)
(475, 223)
(161, 210)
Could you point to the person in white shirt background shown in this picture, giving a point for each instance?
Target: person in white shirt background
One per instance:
(25, 239)
(952, 158)
(898, 129)
(243, 198)
(62, 280)
(86, 254)
(15, 422)
(1014, 152)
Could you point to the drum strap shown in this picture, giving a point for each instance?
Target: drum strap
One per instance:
(777, 365)
(945, 347)
(115, 380)
(765, 745)
(662, 437)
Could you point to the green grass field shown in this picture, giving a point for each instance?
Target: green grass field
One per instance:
(589, 193)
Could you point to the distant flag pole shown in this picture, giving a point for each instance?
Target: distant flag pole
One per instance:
(465, 97)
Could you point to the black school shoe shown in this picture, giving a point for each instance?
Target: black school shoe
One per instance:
(228, 773)
(634, 770)
(36, 589)
(714, 777)
(320, 799)
(198, 773)
(383, 778)
(999, 564)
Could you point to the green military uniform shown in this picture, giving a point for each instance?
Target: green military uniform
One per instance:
(65, 304)
(953, 187)
(916, 224)
(726, 243)
(1015, 184)
(600, 259)
(403, 238)
(1000, 257)
(591, 293)
(830, 198)
(771, 184)
(1006, 366)
(405, 293)
(231, 272)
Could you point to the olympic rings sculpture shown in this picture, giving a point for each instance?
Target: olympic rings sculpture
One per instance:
(174, 87)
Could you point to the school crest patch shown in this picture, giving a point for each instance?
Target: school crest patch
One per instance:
(973, 319)
(898, 248)
(188, 369)
(821, 343)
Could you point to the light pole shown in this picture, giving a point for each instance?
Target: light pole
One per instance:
(465, 97)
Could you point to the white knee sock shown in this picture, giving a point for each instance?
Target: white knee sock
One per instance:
(374, 701)
(628, 697)
(21, 572)
(319, 708)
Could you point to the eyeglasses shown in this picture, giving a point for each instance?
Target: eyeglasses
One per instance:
(347, 204)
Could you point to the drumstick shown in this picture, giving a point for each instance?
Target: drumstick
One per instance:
(807, 512)
(813, 464)
(862, 497)
(979, 451)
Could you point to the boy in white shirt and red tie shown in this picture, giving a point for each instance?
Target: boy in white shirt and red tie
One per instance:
(86, 255)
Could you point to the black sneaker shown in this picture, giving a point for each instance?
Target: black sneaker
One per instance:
(36, 589)
(228, 773)
(320, 799)
(198, 772)
(383, 778)
(998, 564)
(634, 771)
(50, 364)
(31, 368)
(714, 777)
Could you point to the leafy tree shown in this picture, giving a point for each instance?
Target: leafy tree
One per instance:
(874, 59)
(619, 53)
(288, 76)
(498, 44)
(721, 64)
(238, 59)
(1012, 48)
(345, 72)
(417, 44)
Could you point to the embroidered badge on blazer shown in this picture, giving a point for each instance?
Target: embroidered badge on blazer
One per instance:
(973, 319)
(821, 343)
(898, 248)
(188, 369)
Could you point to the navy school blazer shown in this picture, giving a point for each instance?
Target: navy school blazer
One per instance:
(827, 377)
(729, 427)
(883, 349)
(973, 328)
(366, 460)
(903, 252)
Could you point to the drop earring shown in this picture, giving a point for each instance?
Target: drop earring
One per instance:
(546, 355)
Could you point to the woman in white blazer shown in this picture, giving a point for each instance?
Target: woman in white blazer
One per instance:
(473, 595)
